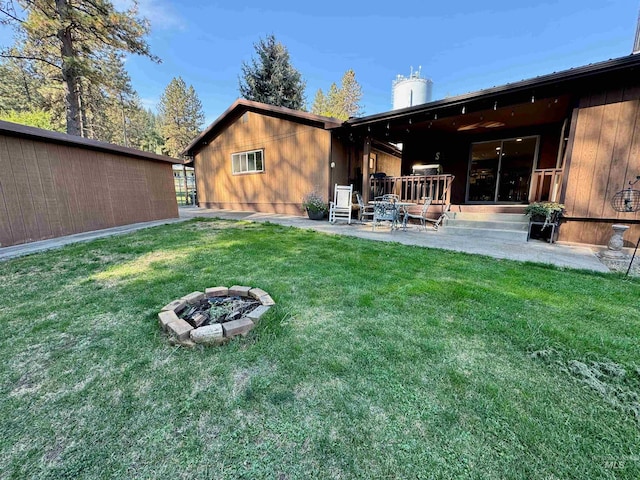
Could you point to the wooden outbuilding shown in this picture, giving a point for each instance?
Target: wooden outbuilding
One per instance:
(53, 184)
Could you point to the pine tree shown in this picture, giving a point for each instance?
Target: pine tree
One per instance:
(73, 38)
(341, 103)
(319, 106)
(350, 95)
(181, 116)
(334, 107)
(270, 78)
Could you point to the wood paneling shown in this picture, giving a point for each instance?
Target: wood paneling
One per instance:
(605, 155)
(387, 163)
(595, 232)
(49, 189)
(296, 161)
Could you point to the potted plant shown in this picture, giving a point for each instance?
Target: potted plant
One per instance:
(315, 206)
(544, 212)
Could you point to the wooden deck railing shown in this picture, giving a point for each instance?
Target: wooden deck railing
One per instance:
(546, 184)
(413, 188)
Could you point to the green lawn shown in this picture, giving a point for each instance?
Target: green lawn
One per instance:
(379, 361)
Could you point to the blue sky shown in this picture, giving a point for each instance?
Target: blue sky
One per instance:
(462, 46)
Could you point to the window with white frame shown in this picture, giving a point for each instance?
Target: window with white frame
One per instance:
(247, 162)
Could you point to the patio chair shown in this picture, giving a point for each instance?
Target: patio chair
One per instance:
(364, 210)
(422, 216)
(341, 205)
(385, 211)
(390, 197)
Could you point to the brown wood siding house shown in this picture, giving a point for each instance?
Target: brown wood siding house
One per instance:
(583, 130)
(572, 137)
(53, 184)
(296, 153)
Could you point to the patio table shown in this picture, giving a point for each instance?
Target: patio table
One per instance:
(398, 209)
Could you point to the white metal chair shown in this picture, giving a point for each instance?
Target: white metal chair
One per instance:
(341, 205)
(364, 210)
(422, 216)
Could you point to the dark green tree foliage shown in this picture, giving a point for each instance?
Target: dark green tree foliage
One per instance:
(181, 116)
(74, 38)
(270, 77)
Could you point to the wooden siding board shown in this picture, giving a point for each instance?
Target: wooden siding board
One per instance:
(592, 116)
(72, 170)
(603, 159)
(633, 165)
(48, 187)
(23, 189)
(575, 166)
(62, 188)
(10, 218)
(620, 157)
(35, 186)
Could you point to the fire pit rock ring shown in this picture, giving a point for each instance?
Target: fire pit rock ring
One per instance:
(212, 317)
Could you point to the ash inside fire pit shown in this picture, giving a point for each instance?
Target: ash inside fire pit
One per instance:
(218, 310)
(214, 316)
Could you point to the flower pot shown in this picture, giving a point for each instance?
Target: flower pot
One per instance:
(315, 214)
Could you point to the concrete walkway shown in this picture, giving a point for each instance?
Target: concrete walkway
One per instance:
(572, 256)
(34, 247)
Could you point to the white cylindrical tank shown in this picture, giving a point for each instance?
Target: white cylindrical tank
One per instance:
(411, 90)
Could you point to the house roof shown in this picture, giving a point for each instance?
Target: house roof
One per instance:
(241, 105)
(541, 84)
(23, 131)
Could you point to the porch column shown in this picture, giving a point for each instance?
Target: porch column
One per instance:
(366, 153)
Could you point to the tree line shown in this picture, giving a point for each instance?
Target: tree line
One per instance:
(65, 71)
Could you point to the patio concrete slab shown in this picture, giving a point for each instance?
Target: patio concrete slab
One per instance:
(571, 256)
(562, 255)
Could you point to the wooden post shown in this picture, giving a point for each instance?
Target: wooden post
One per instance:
(366, 153)
(186, 185)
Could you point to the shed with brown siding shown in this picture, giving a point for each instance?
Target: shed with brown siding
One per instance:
(53, 184)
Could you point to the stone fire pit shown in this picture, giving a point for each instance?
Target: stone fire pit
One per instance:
(212, 317)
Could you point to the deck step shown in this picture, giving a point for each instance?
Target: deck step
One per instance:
(515, 235)
(499, 224)
(488, 224)
(484, 216)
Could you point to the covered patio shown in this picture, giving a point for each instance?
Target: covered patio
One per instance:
(567, 137)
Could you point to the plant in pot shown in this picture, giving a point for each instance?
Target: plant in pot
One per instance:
(544, 212)
(315, 206)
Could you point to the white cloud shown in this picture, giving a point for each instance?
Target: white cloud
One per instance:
(151, 103)
(159, 12)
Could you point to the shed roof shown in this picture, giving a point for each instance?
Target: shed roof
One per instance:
(23, 131)
(241, 105)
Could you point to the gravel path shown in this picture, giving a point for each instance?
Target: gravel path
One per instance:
(622, 265)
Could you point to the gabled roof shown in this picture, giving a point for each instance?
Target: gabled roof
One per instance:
(565, 80)
(23, 131)
(241, 105)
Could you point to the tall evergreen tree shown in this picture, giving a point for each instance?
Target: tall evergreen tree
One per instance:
(73, 37)
(319, 106)
(343, 102)
(181, 116)
(270, 78)
(350, 95)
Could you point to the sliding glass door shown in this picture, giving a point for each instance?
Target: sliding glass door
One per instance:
(500, 170)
